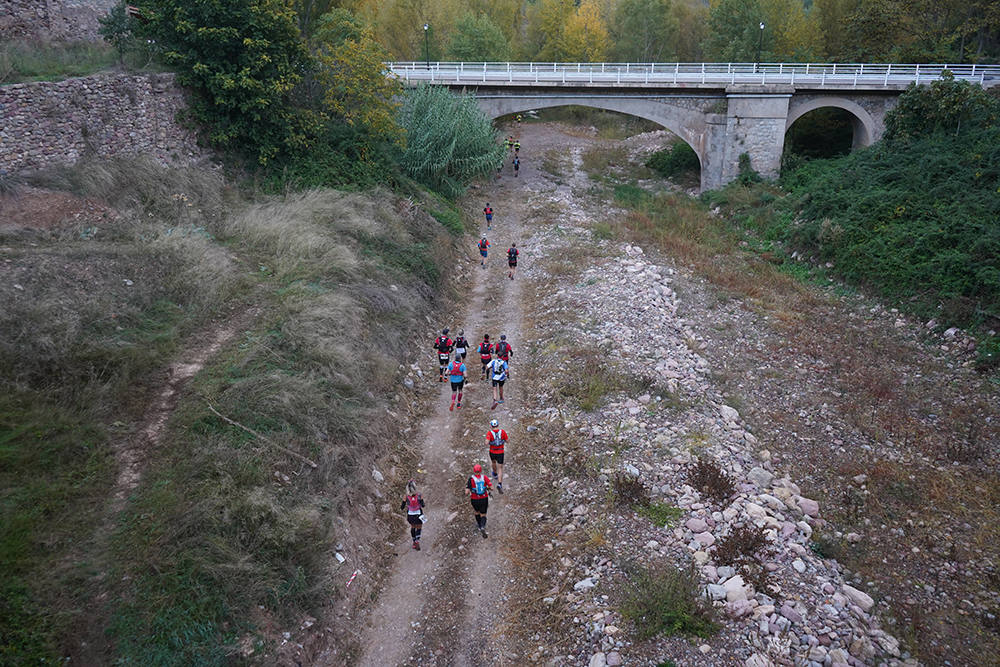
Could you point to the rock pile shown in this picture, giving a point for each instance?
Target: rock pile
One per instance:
(804, 612)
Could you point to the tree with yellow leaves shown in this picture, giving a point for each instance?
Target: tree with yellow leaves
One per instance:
(350, 71)
(585, 36)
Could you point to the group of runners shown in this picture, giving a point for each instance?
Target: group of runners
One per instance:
(514, 149)
(494, 359)
(478, 487)
(484, 246)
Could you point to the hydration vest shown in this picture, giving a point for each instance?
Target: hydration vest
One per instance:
(478, 485)
(413, 504)
(484, 244)
(485, 350)
(496, 440)
(456, 368)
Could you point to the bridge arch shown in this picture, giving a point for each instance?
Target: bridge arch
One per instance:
(866, 130)
(688, 124)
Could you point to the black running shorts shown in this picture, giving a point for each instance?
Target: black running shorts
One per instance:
(497, 457)
(480, 504)
(457, 386)
(498, 383)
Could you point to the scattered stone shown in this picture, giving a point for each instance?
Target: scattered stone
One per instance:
(859, 598)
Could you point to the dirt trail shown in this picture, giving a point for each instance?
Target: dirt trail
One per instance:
(437, 604)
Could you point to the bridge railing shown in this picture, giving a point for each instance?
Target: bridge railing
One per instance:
(838, 75)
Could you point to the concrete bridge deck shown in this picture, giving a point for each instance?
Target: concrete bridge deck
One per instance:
(835, 76)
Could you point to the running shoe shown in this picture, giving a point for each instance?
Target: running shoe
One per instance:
(451, 407)
(500, 488)
(483, 531)
(459, 406)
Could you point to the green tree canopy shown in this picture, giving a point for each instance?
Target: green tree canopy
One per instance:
(355, 87)
(644, 31)
(945, 105)
(241, 59)
(477, 38)
(734, 31)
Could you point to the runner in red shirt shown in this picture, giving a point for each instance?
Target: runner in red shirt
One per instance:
(413, 503)
(496, 438)
(478, 489)
(484, 250)
(512, 260)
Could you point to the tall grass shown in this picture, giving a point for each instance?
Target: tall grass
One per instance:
(332, 284)
(22, 61)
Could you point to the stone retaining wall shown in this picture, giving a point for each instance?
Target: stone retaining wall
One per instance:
(48, 123)
(64, 20)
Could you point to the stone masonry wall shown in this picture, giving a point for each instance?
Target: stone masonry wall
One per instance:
(63, 20)
(48, 123)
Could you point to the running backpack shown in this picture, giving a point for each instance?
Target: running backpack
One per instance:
(479, 485)
(484, 349)
(512, 253)
(456, 368)
(483, 245)
(502, 349)
(413, 504)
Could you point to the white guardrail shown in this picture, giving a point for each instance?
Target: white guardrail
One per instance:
(837, 75)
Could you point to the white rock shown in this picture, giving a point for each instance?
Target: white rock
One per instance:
(584, 584)
(377, 476)
(758, 660)
(696, 525)
(735, 589)
(598, 660)
(755, 511)
(798, 565)
(728, 414)
(760, 477)
(863, 600)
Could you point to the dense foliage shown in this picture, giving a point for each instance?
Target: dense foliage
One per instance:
(241, 60)
(918, 220)
(449, 140)
(478, 38)
(679, 159)
(695, 30)
(944, 106)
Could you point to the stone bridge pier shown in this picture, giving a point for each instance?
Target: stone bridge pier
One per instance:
(720, 125)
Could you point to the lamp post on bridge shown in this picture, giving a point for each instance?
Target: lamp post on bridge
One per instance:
(760, 44)
(427, 48)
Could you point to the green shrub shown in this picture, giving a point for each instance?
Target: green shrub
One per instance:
(916, 221)
(677, 160)
(449, 141)
(665, 601)
(631, 195)
(450, 219)
(661, 514)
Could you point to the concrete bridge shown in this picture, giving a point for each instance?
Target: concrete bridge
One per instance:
(721, 110)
